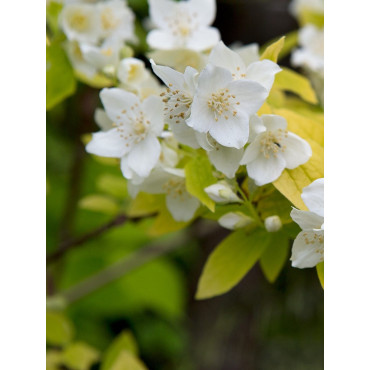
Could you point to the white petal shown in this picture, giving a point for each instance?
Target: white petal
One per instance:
(251, 95)
(205, 141)
(154, 183)
(234, 220)
(212, 79)
(306, 220)
(256, 127)
(263, 72)
(169, 76)
(273, 122)
(115, 100)
(248, 53)
(158, 39)
(185, 134)
(226, 160)
(224, 57)
(313, 196)
(308, 250)
(182, 208)
(128, 173)
(153, 108)
(297, 151)
(144, 155)
(159, 11)
(252, 152)
(201, 117)
(265, 170)
(107, 144)
(205, 11)
(102, 119)
(203, 39)
(232, 132)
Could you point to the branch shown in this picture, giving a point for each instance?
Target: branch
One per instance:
(73, 243)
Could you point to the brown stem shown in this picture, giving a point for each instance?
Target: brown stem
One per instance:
(73, 243)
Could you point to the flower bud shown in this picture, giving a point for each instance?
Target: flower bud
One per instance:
(273, 224)
(234, 220)
(221, 193)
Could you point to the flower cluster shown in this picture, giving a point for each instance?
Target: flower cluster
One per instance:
(96, 33)
(209, 108)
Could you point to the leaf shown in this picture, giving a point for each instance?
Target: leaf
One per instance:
(274, 256)
(288, 80)
(125, 341)
(60, 80)
(320, 273)
(272, 51)
(307, 16)
(53, 10)
(146, 204)
(98, 80)
(99, 203)
(199, 175)
(290, 42)
(59, 329)
(53, 359)
(80, 356)
(127, 361)
(230, 261)
(115, 186)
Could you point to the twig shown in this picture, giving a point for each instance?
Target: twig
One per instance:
(73, 243)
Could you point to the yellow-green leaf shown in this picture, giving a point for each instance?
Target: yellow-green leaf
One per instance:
(320, 273)
(125, 341)
(230, 261)
(98, 81)
(127, 361)
(53, 359)
(274, 256)
(99, 203)
(164, 223)
(199, 175)
(59, 329)
(307, 16)
(113, 185)
(289, 80)
(272, 51)
(80, 356)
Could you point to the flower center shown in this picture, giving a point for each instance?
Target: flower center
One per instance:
(177, 104)
(79, 21)
(108, 20)
(107, 52)
(271, 142)
(182, 24)
(222, 104)
(175, 187)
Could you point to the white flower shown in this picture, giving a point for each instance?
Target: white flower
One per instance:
(311, 53)
(222, 106)
(178, 98)
(131, 71)
(308, 247)
(102, 119)
(183, 24)
(249, 53)
(116, 20)
(134, 136)
(225, 159)
(104, 55)
(222, 193)
(272, 149)
(262, 71)
(171, 181)
(80, 22)
(273, 224)
(234, 220)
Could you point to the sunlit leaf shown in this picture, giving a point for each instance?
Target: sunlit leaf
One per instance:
(127, 361)
(320, 273)
(146, 204)
(59, 329)
(99, 203)
(80, 356)
(272, 51)
(230, 261)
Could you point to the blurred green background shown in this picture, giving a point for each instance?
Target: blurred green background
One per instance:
(151, 310)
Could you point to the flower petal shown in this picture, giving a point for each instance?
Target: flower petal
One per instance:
(144, 155)
(273, 122)
(169, 76)
(306, 220)
(297, 151)
(108, 144)
(154, 112)
(263, 72)
(203, 39)
(226, 160)
(158, 39)
(313, 196)
(160, 10)
(265, 170)
(102, 119)
(248, 53)
(185, 134)
(182, 208)
(205, 11)
(308, 249)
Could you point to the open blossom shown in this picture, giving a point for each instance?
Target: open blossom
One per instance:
(272, 149)
(222, 106)
(262, 71)
(311, 52)
(171, 181)
(132, 71)
(79, 63)
(80, 22)
(178, 98)
(308, 247)
(134, 137)
(183, 24)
